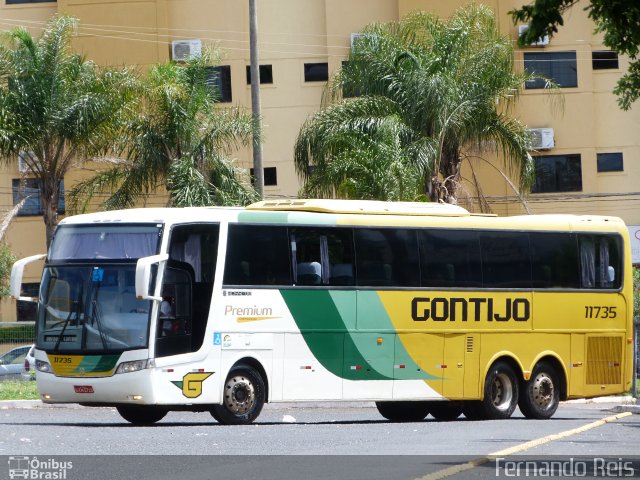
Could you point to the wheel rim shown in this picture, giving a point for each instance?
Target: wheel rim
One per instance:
(543, 391)
(240, 395)
(502, 392)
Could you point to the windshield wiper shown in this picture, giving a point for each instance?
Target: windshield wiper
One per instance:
(76, 304)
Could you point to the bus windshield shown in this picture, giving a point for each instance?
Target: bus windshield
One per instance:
(91, 309)
(89, 305)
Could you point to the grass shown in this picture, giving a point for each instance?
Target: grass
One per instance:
(18, 390)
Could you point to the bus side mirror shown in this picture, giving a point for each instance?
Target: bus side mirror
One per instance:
(17, 271)
(143, 276)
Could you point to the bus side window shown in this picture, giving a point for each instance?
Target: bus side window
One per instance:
(387, 257)
(322, 256)
(257, 255)
(599, 261)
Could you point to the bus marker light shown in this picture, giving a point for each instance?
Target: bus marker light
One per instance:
(199, 370)
(356, 367)
(399, 366)
(46, 396)
(135, 397)
(168, 370)
(305, 367)
(527, 375)
(379, 341)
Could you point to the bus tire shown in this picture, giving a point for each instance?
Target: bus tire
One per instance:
(445, 411)
(243, 397)
(403, 411)
(141, 414)
(500, 393)
(541, 394)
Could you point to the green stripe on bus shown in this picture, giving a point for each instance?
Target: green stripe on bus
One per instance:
(322, 316)
(97, 363)
(284, 218)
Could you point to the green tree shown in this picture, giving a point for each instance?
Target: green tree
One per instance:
(56, 107)
(428, 93)
(178, 140)
(618, 20)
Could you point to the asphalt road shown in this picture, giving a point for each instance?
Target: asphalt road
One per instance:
(312, 441)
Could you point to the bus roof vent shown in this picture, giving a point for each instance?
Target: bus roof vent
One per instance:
(365, 207)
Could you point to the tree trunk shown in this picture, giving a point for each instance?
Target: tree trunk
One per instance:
(49, 196)
(444, 184)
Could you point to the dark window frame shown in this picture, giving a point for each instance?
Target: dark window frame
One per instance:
(316, 72)
(16, 2)
(559, 179)
(604, 60)
(610, 162)
(219, 77)
(266, 74)
(559, 67)
(269, 174)
(21, 188)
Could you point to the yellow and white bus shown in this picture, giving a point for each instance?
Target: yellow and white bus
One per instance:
(422, 308)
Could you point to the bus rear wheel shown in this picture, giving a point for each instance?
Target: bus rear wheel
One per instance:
(141, 414)
(403, 411)
(243, 397)
(541, 394)
(445, 411)
(500, 395)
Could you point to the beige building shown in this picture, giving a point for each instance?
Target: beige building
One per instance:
(589, 156)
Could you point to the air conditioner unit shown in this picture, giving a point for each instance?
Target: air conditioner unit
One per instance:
(23, 166)
(355, 37)
(540, 42)
(182, 50)
(541, 138)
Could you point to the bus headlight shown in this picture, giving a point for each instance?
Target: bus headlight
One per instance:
(128, 367)
(43, 366)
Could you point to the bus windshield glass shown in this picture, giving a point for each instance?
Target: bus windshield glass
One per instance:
(91, 309)
(80, 242)
(87, 296)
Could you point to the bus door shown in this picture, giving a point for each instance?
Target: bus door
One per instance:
(187, 288)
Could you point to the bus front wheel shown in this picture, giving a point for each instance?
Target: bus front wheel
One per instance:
(403, 411)
(141, 414)
(541, 395)
(243, 397)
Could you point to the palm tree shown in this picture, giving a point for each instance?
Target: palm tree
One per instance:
(56, 108)
(179, 140)
(432, 92)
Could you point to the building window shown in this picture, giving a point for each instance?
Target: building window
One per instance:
(558, 173)
(610, 162)
(29, 188)
(604, 60)
(266, 74)
(559, 67)
(219, 79)
(316, 72)
(270, 176)
(11, 2)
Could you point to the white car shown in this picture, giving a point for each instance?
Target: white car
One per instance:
(29, 366)
(12, 362)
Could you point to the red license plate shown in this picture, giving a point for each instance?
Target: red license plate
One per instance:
(83, 388)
